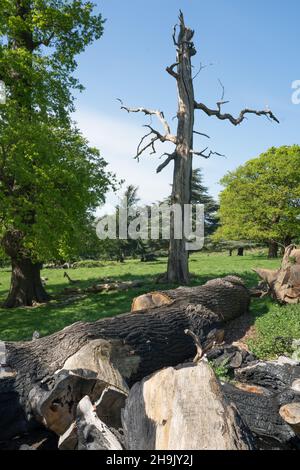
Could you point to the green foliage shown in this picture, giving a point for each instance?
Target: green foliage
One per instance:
(50, 178)
(261, 199)
(276, 326)
(221, 370)
(88, 263)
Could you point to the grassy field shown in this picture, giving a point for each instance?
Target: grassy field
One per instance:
(271, 321)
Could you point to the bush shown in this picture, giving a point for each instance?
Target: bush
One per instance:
(275, 330)
(88, 263)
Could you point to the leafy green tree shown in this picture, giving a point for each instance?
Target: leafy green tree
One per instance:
(49, 176)
(261, 199)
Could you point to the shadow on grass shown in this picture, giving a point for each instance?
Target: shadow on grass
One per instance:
(19, 324)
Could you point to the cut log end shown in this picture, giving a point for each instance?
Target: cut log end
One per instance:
(290, 413)
(169, 411)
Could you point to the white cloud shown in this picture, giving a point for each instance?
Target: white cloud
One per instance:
(117, 141)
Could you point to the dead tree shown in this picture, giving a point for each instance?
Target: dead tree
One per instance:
(184, 150)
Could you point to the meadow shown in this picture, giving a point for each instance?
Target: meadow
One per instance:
(274, 324)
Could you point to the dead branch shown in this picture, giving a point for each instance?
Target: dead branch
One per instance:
(149, 112)
(171, 71)
(202, 153)
(157, 136)
(201, 133)
(198, 345)
(71, 281)
(201, 67)
(171, 157)
(229, 117)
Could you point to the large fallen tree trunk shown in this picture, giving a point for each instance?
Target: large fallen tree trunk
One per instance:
(118, 351)
(225, 302)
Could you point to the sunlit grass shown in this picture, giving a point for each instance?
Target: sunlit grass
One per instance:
(270, 319)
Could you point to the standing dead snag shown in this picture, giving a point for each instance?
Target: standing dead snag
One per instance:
(183, 153)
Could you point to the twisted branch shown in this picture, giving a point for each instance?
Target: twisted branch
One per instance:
(171, 157)
(229, 117)
(202, 153)
(157, 136)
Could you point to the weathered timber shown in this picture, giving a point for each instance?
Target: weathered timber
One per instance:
(182, 408)
(226, 297)
(92, 433)
(270, 375)
(137, 345)
(259, 409)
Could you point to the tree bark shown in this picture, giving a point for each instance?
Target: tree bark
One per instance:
(240, 251)
(226, 297)
(273, 250)
(259, 409)
(136, 346)
(183, 408)
(178, 270)
(26, 287)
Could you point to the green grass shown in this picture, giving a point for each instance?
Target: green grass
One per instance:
(271, 320)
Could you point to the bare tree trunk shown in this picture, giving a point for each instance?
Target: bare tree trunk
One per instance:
(284, 283)
(178, 270)
(273, 250)
(26, 287)
(240, 251)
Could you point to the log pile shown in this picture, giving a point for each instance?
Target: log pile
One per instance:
(108, 384)
(284, 284)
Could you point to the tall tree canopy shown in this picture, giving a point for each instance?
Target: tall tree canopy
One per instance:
(261, 199)
(49, 176)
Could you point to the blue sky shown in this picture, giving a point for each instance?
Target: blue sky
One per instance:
(254, 48)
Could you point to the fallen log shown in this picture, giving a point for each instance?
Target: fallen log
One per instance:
(134, 346)
(182, 408)
(259, 409)
(225, 302)
(92, 433)
(270, 375)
